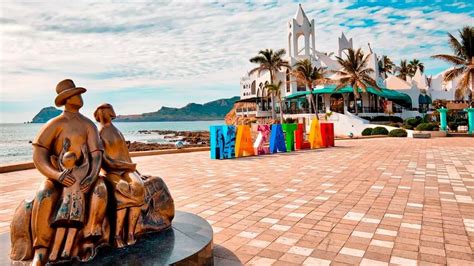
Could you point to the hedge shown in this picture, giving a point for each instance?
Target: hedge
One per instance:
(379, 131)
(427, 127)
(367, 131)
(399, 132)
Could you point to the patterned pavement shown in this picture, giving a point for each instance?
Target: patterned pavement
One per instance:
(374, 202)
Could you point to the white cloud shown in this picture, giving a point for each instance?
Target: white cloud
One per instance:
(187, 45)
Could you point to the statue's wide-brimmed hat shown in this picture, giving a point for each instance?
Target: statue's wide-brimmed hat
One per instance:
(65, 90)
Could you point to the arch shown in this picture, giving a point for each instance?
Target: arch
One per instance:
(289, 44)
(353, 104)
(337, 103)
(287, 80)
(300, 44)
(252, 89)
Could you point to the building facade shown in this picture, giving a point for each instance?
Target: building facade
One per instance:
(405, 98)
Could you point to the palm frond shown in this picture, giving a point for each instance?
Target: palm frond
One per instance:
(452, 59)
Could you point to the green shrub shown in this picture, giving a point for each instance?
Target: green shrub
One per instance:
(407, 127)
(367, 131)
(394, 125)
(399, 132)
(379, 131)
(414, 122)
(427, 127)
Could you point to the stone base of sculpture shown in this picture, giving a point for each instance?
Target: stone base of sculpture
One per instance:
(187, 242)
(156, 215)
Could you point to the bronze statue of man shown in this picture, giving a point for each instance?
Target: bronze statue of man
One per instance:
(80, 131)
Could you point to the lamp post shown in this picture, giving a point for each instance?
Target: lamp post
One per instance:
(443, 120)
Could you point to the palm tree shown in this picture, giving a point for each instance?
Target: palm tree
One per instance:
(270, 61)
(386, 65)
(274, 90)
(414, 65)
(462, 60)
(403, 70)
(355, 73)
(304, 72)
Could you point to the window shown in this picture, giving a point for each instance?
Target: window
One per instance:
(287, 80)
(252, 89)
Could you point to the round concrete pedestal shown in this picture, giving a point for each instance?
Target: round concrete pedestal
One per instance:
(187, 242)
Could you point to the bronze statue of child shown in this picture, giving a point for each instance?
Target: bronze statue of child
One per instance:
(70, 214)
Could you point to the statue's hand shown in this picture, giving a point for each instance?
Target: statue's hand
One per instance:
(86, 184)
(132, 167)
(66, 179)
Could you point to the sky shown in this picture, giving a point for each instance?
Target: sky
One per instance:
(141, 55)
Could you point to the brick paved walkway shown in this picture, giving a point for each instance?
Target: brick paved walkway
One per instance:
(377, 201)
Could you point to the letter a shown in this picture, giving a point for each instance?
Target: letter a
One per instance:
(277, 139)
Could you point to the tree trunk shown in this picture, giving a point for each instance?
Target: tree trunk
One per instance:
(317, 105)
(272, 98)
(281, 111)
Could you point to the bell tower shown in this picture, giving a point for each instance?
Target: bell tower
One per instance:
(301, 39)
(344, 44)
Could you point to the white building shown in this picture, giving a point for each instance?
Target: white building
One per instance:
(403, 95)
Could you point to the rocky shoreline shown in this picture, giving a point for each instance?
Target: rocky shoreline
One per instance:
(189, 138)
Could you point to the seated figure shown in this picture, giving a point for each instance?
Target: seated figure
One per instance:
(71, 210)
(133, 192)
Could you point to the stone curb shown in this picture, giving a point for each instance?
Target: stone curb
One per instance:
(29, 165)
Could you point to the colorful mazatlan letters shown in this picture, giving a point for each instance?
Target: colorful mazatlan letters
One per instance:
(243, 142)
(315, 139)
(222, 142)
(277, 139)
(230, 141)
(289, 130)
(260, 144)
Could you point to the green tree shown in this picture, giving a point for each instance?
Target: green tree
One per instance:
(386, 65)
(355, 73)
(271, 61)
(462, 61)
(403, 70)
(414, 65)
(311, 76)
(275, 91)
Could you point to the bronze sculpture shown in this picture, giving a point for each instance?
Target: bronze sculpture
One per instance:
(70, 209)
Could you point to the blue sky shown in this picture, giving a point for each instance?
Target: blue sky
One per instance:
(140, 55)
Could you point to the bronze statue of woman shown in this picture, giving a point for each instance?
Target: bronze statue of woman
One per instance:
(121, 173)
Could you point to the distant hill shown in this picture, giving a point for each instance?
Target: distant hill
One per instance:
(215, 110)
(46, 114)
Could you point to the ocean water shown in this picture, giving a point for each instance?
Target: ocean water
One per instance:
(15, 139)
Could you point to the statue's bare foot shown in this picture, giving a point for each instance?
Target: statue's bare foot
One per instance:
(131, 239)
(39, 258)
(119, 242)
(53, 256)
(65, 255)
(94, 232)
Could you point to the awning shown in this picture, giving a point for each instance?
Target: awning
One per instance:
(424, 99)
(248, 100)
(395, 96)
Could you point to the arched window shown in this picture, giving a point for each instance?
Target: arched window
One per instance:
(301, 44)
(300, 86)
(252, 89)
(287, 80)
